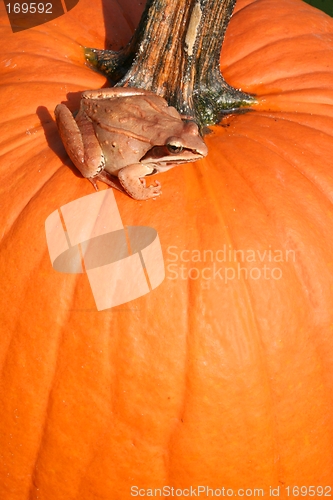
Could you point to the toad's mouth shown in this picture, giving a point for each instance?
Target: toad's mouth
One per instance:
(151, 173)
(164, 159)
(162, 166)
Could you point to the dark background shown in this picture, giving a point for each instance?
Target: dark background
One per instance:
(325, 5)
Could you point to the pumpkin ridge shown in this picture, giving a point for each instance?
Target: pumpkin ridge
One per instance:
(277, 84)
(269, 210)
(36, 57)
(48, 406)
(27, 148)
(275, 47)
(11, 227)
(289, 8)
(300, 92)
(276, 52)
(43, 432)
(270, 115)
(51, 387)
(265, 145)
(10, 146)
(242, 4)
(300, 80)
(298, 125)
(246, 181)
(46, 83)
(259, 353)
(210, 181)
(317, 110)
(55, 28)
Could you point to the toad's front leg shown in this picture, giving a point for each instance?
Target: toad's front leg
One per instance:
(132, 179)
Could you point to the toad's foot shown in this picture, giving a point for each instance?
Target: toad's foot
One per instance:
(132, 180)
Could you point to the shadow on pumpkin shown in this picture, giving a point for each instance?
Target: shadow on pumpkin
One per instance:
(52, 135)
(51, 131)
(53, 138)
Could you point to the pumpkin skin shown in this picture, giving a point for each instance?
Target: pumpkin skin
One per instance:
(199, 382)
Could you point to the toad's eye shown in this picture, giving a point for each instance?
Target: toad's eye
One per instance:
(174, 148)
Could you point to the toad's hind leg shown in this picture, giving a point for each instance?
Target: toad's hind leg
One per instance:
(80, 141)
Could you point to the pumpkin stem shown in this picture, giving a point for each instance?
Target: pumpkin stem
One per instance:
(175, 52)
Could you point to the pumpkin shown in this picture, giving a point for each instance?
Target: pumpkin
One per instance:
(222, 376)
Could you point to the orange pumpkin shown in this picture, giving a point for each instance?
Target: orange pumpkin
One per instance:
(218, 382)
